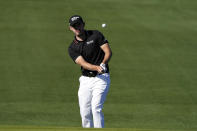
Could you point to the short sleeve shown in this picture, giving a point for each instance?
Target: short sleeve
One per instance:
(73, 54)
(101, 39)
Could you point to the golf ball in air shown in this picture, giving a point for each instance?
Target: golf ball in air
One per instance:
(103, 25)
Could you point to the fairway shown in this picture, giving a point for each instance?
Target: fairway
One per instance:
(31, 128)
(153, 68)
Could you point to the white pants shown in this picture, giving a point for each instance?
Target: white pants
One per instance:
(92, 94)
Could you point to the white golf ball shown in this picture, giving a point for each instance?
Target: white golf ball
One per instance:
(103, 25)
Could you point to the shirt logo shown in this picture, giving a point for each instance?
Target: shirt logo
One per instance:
(90, 42)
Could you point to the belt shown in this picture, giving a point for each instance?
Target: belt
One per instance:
(89, 74)
(92, 74)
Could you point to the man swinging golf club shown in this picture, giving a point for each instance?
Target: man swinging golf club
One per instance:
(91, 51)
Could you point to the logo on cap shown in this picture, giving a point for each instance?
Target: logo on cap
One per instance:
(74, 18)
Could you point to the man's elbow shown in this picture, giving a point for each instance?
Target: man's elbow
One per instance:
(79, 60)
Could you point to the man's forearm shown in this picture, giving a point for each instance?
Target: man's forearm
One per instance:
(87, 65)
(108, 53)
(107, 58)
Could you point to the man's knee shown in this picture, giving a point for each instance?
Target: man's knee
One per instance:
(96, 109)
(85, 113)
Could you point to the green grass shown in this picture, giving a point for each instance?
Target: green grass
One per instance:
(153, 68)
(36, 128)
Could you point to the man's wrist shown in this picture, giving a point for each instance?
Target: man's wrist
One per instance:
(102, 64)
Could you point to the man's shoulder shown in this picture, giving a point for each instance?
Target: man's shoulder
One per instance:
(71, 46)
(93, 33)
(73, 43)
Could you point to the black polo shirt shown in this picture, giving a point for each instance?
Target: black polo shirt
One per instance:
(89, 49)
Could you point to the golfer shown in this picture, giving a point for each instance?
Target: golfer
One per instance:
(91, 51)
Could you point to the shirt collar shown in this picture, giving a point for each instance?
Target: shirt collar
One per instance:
(86, 35)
